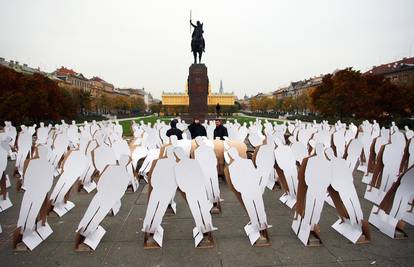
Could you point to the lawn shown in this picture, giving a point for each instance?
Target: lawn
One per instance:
(126, 125)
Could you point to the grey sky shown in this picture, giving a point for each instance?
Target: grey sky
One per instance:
(254, 46)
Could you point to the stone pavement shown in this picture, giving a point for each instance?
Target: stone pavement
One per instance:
(123, 243)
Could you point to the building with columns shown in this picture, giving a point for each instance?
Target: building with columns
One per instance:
(182, 99)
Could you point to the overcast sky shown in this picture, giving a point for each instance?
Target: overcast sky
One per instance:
(253, 46)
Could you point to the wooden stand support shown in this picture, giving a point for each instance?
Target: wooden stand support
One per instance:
(207, 241)
(263, 240)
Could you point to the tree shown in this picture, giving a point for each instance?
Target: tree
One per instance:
(32, 98)
(348, 93)
(155, 107)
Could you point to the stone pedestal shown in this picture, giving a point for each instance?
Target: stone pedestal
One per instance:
(198, 91)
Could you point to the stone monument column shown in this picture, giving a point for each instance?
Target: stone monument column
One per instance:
(198, 91)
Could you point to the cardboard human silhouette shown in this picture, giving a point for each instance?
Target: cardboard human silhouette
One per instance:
(109, 192)
(73, 135)
(59, 147)
(314, 179)
(304, 135)
(190, 179)
(264, 160)
(353, 152)
(244, 179)
(208, 162)
(300, 151)
(163, 187)
(24, 144)
(41, 134)
(5, 202)
(279, 132)
(255, 137)
(387, 169)
(339, 142)
(138, 152)
(342, 191)
(243, 132)
(396, 207)
(73, 166)
(103, 155)
(366, 140)
(287, 172)
(152, 155)
(376, 146)
(120, 147)
(38, 179)
(86, 182)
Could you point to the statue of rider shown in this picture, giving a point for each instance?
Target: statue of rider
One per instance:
(197, 42)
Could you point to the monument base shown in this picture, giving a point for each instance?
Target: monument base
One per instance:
(198, 89)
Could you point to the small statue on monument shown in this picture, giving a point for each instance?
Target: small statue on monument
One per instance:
(197, 41)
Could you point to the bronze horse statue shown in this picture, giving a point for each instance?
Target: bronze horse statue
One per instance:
(197, 41)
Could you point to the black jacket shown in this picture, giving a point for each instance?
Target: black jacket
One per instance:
(196, 129)
(175, 131)
(220, 131)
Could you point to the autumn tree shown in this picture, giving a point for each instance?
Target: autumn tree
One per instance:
(348, 93)
(32, 98)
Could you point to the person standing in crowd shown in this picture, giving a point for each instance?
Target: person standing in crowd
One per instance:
(220, 130)
(174, 130)
(196, 129)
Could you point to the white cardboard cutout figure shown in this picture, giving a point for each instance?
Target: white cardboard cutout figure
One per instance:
(24, 144)
(59, 147)
(86, 178)
(342, 182)
(388, 223)
(366, 139)
(152, 155)
(42, 134)
(286, 161)
(265, 161)
(38, 179)
(318, 179)
(190, 179)
(73, 166)
(5, 202)
(391, 159)
(245, 180)
(339, 141)
(299, 150)
(109, 192)
(164, 186)
(207, 159)
(353, 150)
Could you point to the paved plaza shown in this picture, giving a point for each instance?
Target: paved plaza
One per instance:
(123, 243)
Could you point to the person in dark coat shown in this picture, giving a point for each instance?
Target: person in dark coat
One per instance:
(220, 130)
(196, 129)
(174, 130)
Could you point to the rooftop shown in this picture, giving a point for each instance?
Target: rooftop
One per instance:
(392, 66)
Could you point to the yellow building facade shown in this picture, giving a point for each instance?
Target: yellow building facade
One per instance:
(182, 99)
